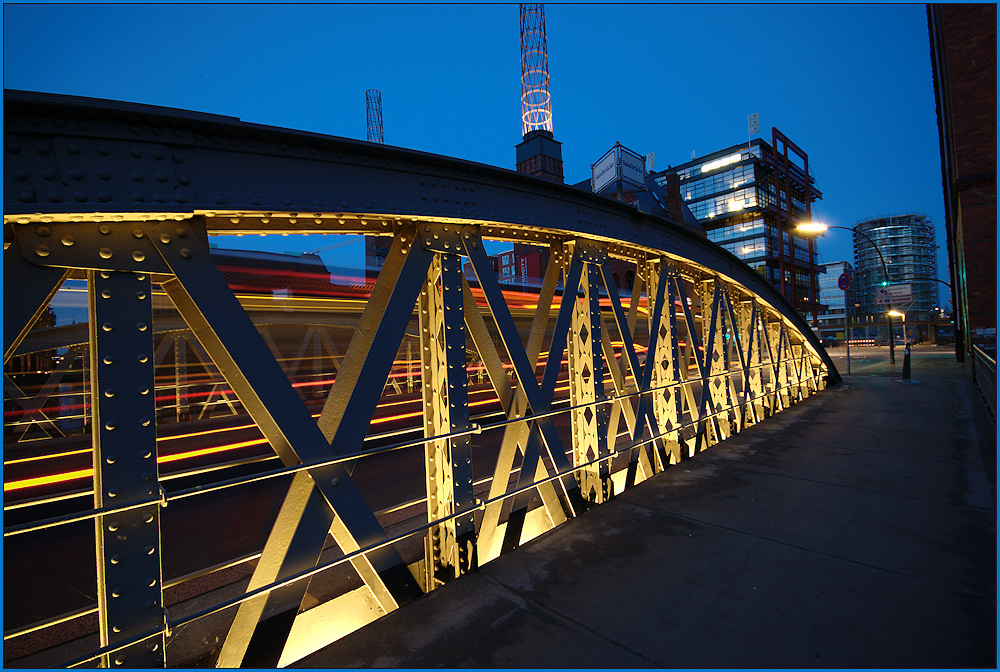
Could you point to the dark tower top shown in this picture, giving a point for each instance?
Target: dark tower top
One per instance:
(540, 155)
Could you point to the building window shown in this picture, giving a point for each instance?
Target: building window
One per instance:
(719, 182)
(736, 201)
(748, 229)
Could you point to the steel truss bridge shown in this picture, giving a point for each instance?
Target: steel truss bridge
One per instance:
(126, 197)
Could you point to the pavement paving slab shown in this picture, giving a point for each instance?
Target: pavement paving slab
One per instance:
(855, 529)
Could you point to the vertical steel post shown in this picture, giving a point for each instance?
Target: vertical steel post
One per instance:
(586, 389)
(180, 374)
(737, 405)
(779, 389)
(690, 353)
(725, 392)
(129, 576)
(755, 359)
(409, 365)
(449, 547)
(711, 326)
(666, 378)
(847, 331)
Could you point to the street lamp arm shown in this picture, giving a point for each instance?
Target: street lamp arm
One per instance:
(885, 273)
(946, 284)
(885, 268)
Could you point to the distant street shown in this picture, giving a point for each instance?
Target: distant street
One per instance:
(874, 361)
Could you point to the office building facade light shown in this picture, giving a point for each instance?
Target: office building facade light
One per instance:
(721, 163)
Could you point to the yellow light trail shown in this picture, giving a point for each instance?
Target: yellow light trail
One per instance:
(78, 474)
(46, 480)
(209, 451)
(46, 457)
(89, 473)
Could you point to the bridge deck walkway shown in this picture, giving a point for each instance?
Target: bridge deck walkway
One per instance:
(857, 529)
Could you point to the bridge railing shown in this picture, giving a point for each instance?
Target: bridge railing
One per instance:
(984, 373)
(590, 393)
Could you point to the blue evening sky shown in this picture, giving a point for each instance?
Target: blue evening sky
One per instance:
(849, 84)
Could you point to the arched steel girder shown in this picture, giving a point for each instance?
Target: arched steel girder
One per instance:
(129, 194)
(87, 160)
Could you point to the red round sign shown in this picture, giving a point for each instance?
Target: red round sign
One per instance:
(844, 281)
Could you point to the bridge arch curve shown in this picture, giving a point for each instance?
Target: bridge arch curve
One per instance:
(252, 179)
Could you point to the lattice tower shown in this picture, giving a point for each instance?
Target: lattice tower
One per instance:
(536, 102)
(373, 101)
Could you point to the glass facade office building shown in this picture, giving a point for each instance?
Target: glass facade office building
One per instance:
(749, 198)
(831, 319)
(907, 244)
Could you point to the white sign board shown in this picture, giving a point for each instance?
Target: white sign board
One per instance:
(604, 171)
(891, 294)
(633, 168)
(901, 293)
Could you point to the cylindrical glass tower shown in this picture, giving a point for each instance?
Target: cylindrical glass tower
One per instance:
(907, 245)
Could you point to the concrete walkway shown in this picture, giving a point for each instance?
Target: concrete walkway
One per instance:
(856, 529)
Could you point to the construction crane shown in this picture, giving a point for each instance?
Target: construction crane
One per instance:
(373, 103)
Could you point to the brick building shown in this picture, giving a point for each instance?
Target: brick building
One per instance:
(964, 60)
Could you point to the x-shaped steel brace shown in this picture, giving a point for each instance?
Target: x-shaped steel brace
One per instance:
(646, 424)
(322, 500)
(537, 399)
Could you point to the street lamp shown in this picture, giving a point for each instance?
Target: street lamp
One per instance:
(817, 228)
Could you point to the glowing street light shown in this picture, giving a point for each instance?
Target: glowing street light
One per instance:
(817, 228)
(814, 227)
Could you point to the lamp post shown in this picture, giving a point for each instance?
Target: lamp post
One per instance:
(902, 317)
(906, 344)
(813, 227)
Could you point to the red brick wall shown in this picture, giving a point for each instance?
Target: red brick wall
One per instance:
(970, 52)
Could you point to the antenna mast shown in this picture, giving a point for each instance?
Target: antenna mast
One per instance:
(373, 101)
(536, 102)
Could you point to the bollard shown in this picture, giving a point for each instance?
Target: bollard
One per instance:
(906, 363)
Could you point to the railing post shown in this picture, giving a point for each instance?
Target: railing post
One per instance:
(180, 376)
